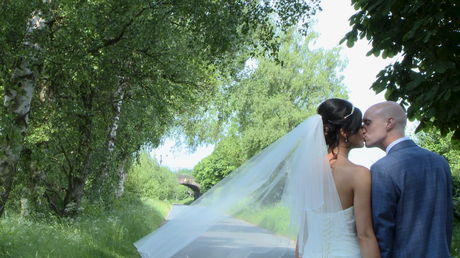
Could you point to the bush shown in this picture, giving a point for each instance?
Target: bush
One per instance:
(456, 194)
(149, 180)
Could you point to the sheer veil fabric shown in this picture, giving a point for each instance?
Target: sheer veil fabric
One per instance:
(280, 185)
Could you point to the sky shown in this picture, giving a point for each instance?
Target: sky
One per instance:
(332, 24)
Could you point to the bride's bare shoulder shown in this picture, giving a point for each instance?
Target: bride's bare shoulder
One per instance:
(358, 168)
(362, 175)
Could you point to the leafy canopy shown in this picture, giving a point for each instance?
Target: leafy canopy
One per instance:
(267, 101)
(427, 78)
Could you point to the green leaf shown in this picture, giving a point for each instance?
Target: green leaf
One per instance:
(387, 7)
(455, 140)
(420, 127)
(431, 113)
(409, 35)
(416, 82)
(388, 93)
(440, 67)
(447, 95)
(350, 43)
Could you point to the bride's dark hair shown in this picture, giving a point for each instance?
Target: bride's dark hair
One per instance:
(339, 114)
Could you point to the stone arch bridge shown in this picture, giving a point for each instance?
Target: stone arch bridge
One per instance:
(189, 181)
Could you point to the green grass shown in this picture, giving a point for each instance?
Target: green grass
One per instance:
(274, 219)
(113, 234)
(103, 235)
(185, 201)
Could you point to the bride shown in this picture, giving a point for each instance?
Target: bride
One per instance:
(301, 187)
(343, 131)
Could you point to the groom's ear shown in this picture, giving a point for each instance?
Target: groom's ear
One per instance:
(390, 123)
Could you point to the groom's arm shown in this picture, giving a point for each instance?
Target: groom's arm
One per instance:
(383, 208)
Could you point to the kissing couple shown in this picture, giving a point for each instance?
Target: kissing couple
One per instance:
(401, 207)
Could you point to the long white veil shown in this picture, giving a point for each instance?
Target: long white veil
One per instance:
(260, 209)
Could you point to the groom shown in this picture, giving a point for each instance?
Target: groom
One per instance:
(411, 189)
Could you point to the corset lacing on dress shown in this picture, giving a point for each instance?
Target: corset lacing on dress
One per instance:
(326, 231)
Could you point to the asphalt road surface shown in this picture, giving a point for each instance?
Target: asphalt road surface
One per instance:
(232, 238)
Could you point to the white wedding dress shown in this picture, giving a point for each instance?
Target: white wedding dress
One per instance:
(333, 235)
(288, 186)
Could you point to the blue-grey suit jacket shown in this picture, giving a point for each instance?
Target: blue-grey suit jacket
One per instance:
(412, 207)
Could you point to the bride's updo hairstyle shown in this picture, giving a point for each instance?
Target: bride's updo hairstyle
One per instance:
(339, 114)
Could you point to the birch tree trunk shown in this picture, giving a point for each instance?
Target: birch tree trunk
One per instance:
(117, 102)
(122, 178)
(17, 99)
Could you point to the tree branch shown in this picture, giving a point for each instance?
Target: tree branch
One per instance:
(67, 158)
(116, 39)
(52, 204)
(62, 166)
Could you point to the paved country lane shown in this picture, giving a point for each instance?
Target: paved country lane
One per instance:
(230, 238)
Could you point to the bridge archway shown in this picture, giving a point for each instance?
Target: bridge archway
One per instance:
(195, 188)
(189, 181)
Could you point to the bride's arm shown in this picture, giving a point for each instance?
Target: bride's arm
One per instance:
(297, 249)
(362, 206)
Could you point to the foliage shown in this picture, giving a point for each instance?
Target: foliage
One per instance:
(455, 247)
(210, 170)
(187, 201)
(266, 102)
(149, 180)
(427, 78)
(171, 54)
(434, 141)
(109, 234)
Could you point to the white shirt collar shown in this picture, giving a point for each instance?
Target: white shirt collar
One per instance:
(396, 142)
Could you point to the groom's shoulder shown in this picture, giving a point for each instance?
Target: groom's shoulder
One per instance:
(383, 164)
(406, 153)
(392, 161)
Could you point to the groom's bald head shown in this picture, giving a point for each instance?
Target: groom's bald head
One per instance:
(390, 109)
(384, 123)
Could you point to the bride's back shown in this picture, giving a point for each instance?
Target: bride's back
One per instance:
(347, 179)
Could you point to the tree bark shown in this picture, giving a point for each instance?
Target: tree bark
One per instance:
(79, 168)
(17, 99)
(117, 102)
(77, 179)
(122, 178)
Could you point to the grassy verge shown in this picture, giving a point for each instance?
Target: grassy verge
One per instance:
(113, 234)
(185, 201)
(103, 235)
(274, 219)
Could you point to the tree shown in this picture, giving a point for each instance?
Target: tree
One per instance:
(210, 170)
(435, 142)
(226, 157)
(19, 82)
(150, 180)
(266, 103)
(427, 78)
(171, 53)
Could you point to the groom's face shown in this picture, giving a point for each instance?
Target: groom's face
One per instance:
(374, 128)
